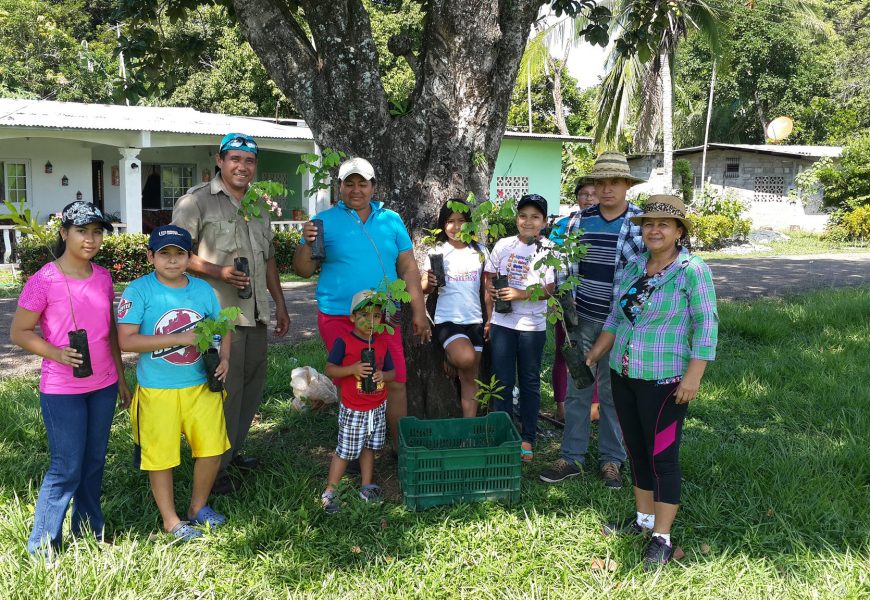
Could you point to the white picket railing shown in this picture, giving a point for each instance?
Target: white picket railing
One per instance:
(287, 225)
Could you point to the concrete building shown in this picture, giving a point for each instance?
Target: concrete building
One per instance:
(762, 175)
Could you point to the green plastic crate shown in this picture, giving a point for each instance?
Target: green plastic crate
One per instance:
(442, 461)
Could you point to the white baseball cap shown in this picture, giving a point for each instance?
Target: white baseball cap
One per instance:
(356, 166)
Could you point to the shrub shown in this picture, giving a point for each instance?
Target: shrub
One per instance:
(716, 220)
(31, 254)
(123, 255)
(856, 224)
(683, 168)
(285, 243)
(847, 182)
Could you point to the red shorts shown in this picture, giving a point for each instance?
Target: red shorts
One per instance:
(333, 326)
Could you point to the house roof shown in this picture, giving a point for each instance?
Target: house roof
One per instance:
(47, 114)
(774, 149)
(524, 135)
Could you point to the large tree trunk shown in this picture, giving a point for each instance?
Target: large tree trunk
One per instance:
(667, 119)
(447, 142)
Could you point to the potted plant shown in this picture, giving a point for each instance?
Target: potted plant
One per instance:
(318, 168)
(563, 311)
(209, 333)
(389, 295)
(257, 202)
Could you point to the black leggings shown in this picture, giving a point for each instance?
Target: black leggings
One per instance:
(652, 426)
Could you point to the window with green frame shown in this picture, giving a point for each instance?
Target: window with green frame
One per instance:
(175, 180)
(13, 180)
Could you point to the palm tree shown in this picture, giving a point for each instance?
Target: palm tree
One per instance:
(638, 80)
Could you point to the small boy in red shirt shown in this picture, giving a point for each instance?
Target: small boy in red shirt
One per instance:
(362, 422)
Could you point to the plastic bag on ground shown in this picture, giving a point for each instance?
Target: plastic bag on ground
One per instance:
(313, 387)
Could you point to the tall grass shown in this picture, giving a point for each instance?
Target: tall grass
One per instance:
(776, 496)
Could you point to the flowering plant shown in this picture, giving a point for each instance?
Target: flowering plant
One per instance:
(260, 198)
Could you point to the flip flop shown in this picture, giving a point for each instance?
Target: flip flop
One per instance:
(185, 532)
(208, 516)
(526, 453)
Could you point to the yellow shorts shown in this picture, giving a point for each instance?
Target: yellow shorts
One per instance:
(160, 416)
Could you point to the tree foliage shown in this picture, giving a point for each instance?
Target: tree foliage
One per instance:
(56, 51)
(579, 106)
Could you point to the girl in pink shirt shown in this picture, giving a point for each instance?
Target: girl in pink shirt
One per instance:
(69, 294)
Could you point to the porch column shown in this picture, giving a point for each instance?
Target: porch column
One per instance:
(131, 189)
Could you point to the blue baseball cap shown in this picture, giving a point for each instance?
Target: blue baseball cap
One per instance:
(170, 235)
(239, 141)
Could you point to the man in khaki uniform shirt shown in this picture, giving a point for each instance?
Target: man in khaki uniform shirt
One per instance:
(210, 212)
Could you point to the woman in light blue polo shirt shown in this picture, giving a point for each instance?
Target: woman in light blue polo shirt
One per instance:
(365, 243)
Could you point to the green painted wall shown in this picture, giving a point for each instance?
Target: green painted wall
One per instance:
(539, 160)
(279, 162)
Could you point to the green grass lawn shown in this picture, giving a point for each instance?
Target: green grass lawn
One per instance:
(776, 496)
(801, 242)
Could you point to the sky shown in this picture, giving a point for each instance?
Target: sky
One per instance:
(585, 61)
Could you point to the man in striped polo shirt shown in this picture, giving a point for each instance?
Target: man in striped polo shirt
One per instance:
(613, 240)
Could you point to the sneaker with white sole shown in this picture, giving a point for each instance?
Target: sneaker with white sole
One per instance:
(561, 470)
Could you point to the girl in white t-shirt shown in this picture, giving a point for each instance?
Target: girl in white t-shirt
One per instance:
(458, 313)
(518, 336)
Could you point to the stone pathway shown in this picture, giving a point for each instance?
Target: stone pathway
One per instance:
(735, 278)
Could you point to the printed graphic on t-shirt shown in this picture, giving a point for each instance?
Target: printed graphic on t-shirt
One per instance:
(379, 387)
(517, 269)
(177, 320)
(473, 276)
(123, 307)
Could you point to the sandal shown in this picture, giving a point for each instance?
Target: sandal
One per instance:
(371, 493)
(526, 452)
(208, 516)
(185, 532)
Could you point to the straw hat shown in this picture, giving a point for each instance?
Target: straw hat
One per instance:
(663, 206)
(613, 165)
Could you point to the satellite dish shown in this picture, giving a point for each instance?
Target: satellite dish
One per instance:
(779, 129)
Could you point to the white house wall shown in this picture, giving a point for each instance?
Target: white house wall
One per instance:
(72, 158)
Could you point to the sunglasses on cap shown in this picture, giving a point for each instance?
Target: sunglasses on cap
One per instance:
(238, 142)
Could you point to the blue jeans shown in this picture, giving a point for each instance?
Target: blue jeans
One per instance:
(575, 437)
(78, 433)
(518, 353)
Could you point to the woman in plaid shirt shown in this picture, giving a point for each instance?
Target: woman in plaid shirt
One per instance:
(663, 332)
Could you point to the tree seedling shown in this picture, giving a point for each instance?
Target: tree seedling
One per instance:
(205, 331)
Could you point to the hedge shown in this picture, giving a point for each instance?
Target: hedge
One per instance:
(124, 255)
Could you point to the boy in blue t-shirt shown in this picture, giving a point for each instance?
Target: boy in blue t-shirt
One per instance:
(156, 317)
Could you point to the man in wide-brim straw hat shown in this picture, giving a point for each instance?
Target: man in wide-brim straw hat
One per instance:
(613, 240)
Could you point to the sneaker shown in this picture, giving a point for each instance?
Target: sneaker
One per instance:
(626, 527)
(561, 470)
(371, 493)
(657, 554)
(611, 475)
(330, 502)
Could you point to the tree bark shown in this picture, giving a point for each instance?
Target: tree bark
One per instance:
(444, 146)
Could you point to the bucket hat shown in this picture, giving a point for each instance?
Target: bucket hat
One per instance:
(663, 206)
(613, 165)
